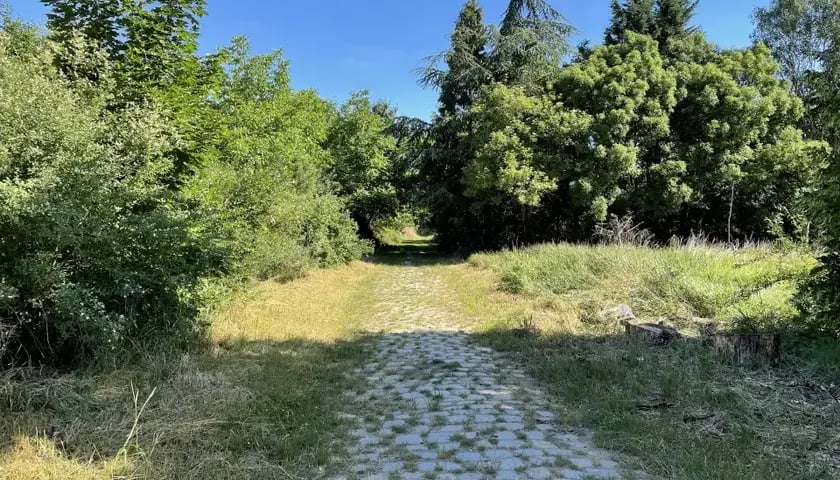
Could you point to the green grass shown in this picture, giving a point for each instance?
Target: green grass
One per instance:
(264, 402)
(720, 421)
(752, 286)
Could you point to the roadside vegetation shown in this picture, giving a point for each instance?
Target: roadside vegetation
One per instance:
(262, 403)
(677, 409)
(181, 234)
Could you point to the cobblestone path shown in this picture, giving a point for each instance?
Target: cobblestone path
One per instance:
(437, 406)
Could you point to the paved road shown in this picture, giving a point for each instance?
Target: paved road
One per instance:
(437, 406)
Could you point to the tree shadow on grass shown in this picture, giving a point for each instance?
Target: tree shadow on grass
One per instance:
(682, 411)
(249, 409)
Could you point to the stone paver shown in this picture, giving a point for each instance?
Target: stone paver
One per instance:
(438, 406)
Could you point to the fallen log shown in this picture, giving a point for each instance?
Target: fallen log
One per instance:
(746, 348)
(652, 332)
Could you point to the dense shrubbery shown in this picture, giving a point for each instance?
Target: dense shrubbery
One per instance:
(94, 252)
(134, 176)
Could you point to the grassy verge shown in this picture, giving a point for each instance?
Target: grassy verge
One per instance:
(262, 404)
(676, 410)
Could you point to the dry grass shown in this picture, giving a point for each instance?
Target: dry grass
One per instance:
(261, 404)
(321, 307)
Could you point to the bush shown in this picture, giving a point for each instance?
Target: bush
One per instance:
(94, 252)
(264, 194)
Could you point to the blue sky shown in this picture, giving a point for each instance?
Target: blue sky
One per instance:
(339, 46)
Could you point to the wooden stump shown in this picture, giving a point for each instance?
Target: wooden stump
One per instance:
(748, 347)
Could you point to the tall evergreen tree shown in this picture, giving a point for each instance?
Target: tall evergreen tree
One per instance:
(659, 19)
(530, 42)
(466, 62)
(634, 16)
(672, 17)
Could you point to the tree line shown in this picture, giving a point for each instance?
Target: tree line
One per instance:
(536, 140)
(141, 182)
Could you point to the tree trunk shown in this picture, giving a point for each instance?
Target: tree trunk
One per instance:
(748, 348)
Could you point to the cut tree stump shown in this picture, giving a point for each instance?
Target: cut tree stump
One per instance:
(652, 332)
(748, 347)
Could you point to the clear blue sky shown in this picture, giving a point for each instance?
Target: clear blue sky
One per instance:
(338, 46)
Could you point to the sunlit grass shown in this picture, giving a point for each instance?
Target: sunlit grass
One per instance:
(39, 458)
(321, 307)
(263, 403)
(721, 421)
(751, 285)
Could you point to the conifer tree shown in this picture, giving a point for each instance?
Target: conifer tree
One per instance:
(466, 61)
(659, 19)
(531, 42)
(634, 15)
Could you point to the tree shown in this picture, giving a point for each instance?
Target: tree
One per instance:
(530, 43)
(660, 19)
(361, 160)
(634, 16)
(803, 37)
(672, 19)
(148, 40)
(264, 192)
(466, 61)
(561, 160)
(151, 47)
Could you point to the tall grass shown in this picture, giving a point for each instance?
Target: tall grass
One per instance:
(751, 286)
(709, 419)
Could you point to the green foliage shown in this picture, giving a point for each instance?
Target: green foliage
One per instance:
(362, 151)
(803, 35)
(659, 19)
(94, 254)
(530, 43)
(150, 41)
(800, 34)
(134, 175)
(631, 16)
(665, 127)
(263, 193)
(467, 62)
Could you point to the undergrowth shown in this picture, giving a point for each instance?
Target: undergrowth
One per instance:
(750, 286)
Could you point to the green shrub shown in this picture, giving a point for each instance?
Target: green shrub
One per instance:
(264, 194)
(94, 253)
